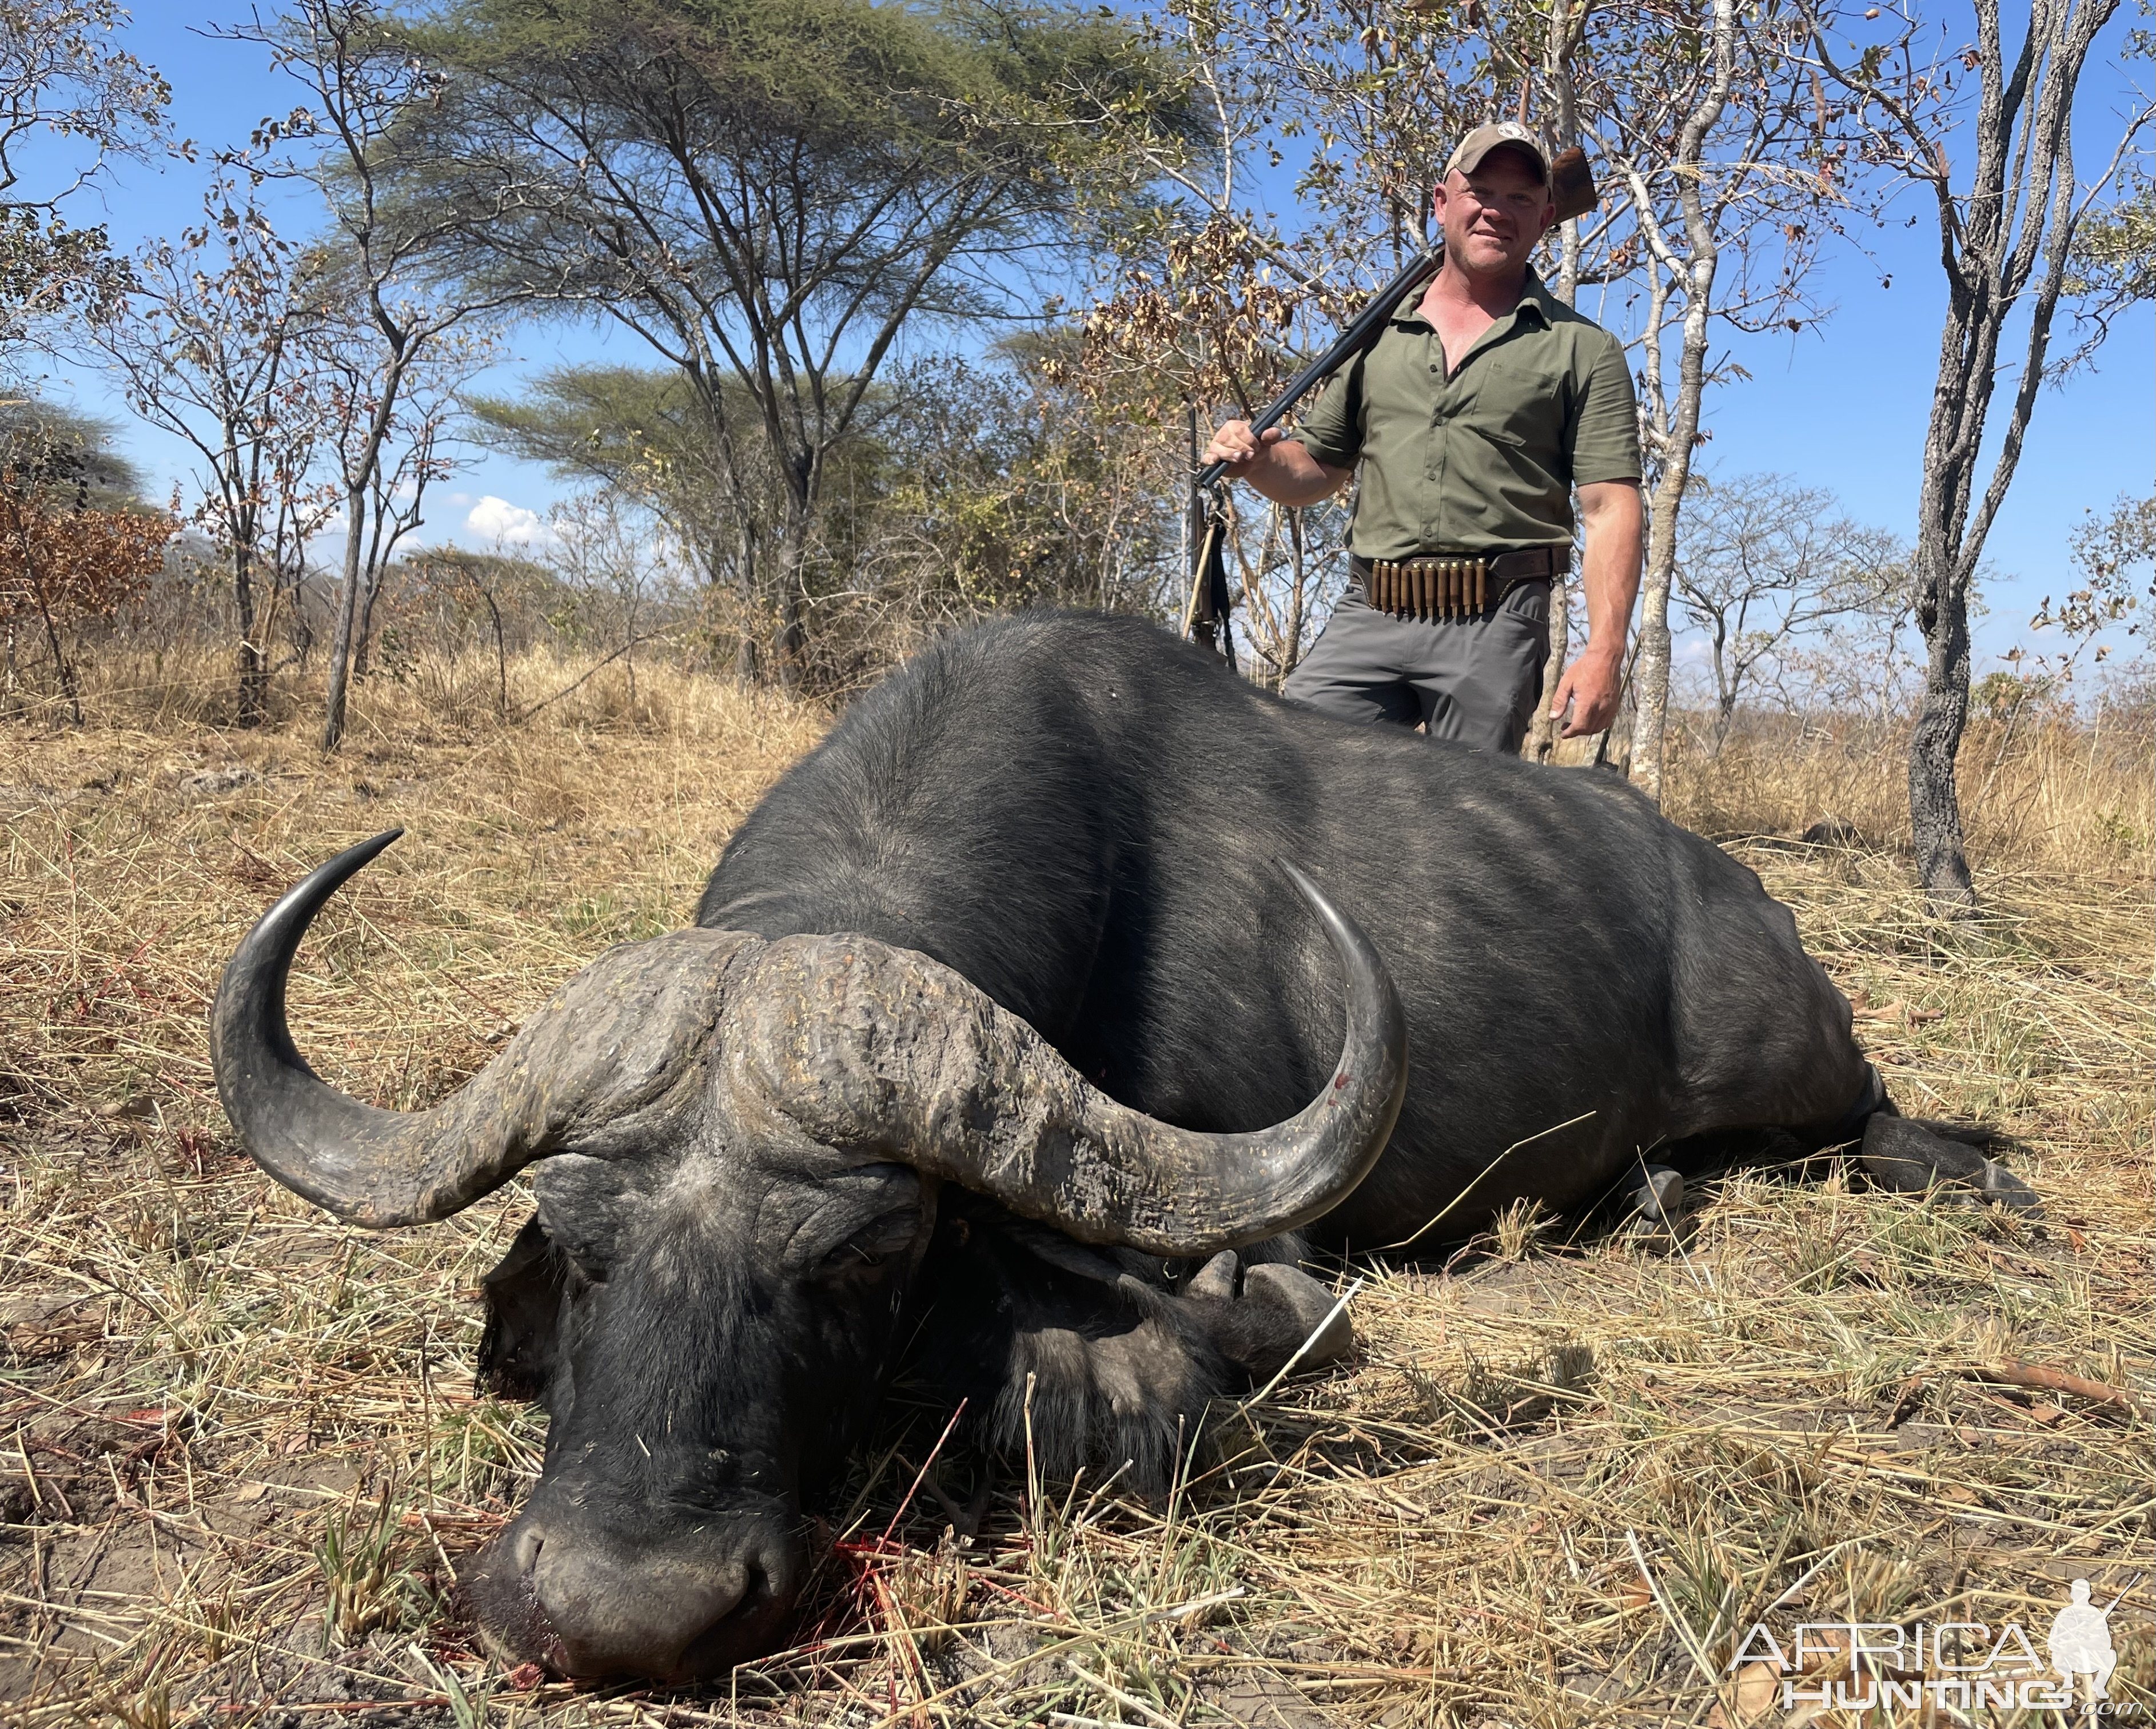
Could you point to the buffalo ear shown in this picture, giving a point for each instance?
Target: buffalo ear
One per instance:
(522, 1341)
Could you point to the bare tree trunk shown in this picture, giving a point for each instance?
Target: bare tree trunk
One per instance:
(1651, 688)
(1541, 744)
(347, 607)
(500, 651)
(1650, 677)
(1299, 567)
(1725, 717)
(790, 637)
(788, 640)
(62, 671)
(362, 644)
(252, 696)
(363, 630)
(1556, 70)
(1935, 744)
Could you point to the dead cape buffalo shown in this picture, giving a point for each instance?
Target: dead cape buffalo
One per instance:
(998, 1018)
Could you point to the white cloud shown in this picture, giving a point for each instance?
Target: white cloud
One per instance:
(496, 519)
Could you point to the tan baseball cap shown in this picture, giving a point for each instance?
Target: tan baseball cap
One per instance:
(1499, 135)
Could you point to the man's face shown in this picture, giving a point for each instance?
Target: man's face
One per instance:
(1493, 217)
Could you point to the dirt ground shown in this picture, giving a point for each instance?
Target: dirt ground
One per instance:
(1564, 1478)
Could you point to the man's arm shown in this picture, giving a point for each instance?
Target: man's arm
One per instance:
(1277, 465)
(1610, 512)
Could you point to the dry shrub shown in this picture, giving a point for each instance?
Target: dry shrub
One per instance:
(210, 1388)
(63, 572)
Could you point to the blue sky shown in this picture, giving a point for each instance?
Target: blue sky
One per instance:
(1841, 408)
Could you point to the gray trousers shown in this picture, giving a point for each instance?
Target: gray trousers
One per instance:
(1475, 680)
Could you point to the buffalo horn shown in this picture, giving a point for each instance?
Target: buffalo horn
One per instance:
(618, 1046)
(883, 1052)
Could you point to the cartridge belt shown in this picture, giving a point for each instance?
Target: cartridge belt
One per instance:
(1454, 585)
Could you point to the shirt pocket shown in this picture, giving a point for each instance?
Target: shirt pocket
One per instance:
(1522, 407)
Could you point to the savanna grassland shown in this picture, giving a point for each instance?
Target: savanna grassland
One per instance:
(241, 1458)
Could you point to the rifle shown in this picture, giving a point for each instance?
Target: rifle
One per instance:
(1572, 190)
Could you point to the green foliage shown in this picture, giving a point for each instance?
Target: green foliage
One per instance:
(1005, 486)
(609, 425)
(767, 193)
(2117, 555)
(77, 546)
(964, 487)
(2115, 252)
(645, 434)
(366, 1576)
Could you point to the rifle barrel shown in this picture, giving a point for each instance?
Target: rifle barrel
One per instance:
(1374, 313)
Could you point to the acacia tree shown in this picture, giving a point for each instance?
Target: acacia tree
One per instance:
(644, 432)
(2008, 230)
(768, 192)
(213, 345)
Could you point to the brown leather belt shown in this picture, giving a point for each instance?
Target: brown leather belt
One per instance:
(1446, 586)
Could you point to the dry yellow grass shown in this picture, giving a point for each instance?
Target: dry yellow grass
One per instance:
(2046, 794)
(241, 1455)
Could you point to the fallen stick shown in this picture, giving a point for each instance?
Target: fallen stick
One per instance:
(235, 1707)
(2036, 1377)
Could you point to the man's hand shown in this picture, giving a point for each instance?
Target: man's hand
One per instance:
(1590, 687)
(1237, 445)
(1277, 465)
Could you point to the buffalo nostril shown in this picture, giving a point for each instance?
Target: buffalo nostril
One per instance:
(524, 1549)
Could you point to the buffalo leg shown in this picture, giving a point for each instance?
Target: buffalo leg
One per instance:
(1908, 1157)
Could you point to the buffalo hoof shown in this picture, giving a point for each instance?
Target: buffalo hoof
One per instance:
(1658, 1223)
(1659, 1195)
(2004, 1188)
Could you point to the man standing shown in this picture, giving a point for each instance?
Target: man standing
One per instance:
(1482, 406)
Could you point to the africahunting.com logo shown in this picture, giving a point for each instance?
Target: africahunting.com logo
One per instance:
(1956, 1667)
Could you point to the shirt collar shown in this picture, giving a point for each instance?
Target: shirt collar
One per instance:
(1535, 299)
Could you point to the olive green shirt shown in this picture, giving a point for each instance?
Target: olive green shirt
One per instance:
(1486, 458)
